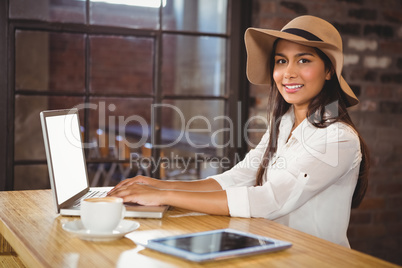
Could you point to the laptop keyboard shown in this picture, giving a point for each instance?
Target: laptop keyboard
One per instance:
(90, 194)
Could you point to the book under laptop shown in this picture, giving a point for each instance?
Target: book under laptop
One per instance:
(67, 166)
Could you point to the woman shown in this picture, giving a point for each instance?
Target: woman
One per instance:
(312, 162)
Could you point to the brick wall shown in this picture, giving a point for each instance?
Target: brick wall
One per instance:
(372, 38)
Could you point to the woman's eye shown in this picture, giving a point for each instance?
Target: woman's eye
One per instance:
(304, 61)
(281, 61)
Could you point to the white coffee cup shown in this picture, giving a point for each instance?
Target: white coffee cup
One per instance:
(103, 214)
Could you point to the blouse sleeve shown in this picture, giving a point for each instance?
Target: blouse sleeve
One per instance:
(244, 172)
(316, 159)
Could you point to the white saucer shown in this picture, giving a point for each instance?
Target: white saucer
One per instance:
(76, 227)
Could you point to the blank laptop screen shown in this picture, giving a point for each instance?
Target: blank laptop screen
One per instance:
(67, 156)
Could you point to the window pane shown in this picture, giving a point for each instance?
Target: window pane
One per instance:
(131, 14)
(28, 139)
(50, 61)
(121, 65)
(49, 10)
(180, 165)
(31, 177)
(194, 126)
(118, 127)
(193, 65)
(194, 15)
(193, 131)
(109, 173)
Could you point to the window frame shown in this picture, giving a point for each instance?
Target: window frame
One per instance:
(236, 91)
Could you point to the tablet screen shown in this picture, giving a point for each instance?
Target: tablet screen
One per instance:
(214, 242)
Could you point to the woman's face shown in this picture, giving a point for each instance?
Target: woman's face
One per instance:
(299, 73)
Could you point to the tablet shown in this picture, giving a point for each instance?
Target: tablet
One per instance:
(216, 245)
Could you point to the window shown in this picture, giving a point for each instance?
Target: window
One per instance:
(156, 83)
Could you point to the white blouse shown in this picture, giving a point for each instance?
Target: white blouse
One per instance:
(308, 184)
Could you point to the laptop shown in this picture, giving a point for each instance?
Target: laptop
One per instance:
(67, 167)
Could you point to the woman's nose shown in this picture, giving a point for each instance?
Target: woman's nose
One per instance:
(290, 71)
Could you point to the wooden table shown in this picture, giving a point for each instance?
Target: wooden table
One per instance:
(32, 228)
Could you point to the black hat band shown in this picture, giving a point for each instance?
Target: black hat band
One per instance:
(302, 33)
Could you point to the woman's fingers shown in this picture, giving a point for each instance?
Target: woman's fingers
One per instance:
(138, 193)
(128, 182)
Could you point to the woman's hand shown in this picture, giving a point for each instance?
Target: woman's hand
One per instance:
(141, 190)
(137, 180)
(204, 196)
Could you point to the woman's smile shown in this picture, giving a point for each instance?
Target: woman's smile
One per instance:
(292, 88)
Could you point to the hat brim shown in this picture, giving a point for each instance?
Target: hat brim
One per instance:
(259, 44)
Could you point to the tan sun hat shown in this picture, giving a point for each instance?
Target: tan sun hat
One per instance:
(305, 30)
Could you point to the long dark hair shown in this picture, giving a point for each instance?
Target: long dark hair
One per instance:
(319, 116)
